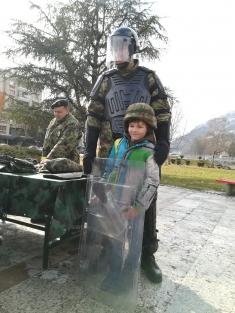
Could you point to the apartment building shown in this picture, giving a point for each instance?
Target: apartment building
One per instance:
(11, 90)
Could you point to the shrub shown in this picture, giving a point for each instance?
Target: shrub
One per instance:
(178, 161)
(20, 152)
(201, 163)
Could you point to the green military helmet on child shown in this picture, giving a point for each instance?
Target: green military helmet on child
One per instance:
(140, 111)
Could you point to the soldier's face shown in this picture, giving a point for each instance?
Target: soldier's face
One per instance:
(137, 130)
(60, 112)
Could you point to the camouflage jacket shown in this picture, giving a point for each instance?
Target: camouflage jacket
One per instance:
(159, 102)
(61, 139)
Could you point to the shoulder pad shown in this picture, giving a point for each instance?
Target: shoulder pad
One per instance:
(110, 72)
(100, 79)
(145, 69)
(159, 85)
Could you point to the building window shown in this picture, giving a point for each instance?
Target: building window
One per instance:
(3, 129)
(23, 94)
(16, 131)
(12, 89)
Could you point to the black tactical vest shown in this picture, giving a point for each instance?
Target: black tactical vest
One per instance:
(125, 90)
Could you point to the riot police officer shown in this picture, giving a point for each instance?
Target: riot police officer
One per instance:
(124, 84)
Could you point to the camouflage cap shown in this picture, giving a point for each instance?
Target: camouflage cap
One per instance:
(62, 165)
(140, 111)
(60, 103)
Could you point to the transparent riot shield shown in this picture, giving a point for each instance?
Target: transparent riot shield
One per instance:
(110, 248)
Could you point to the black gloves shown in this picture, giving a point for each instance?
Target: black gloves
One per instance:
(163, 145)
(100, 191)
(161, 152)
(87, 164)
(92, 135)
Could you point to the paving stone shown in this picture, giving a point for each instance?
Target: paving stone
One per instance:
(196, 255)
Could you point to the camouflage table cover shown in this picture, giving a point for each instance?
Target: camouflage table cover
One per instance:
(31, 195)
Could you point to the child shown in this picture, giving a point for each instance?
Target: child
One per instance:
(137, 145)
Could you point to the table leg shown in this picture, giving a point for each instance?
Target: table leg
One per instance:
(46, 244)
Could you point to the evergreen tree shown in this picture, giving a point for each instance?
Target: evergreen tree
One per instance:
(65, 52)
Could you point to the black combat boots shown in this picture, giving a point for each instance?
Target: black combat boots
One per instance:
(151, 269)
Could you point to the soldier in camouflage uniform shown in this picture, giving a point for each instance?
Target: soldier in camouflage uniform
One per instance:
(63, 134)
(113, 92)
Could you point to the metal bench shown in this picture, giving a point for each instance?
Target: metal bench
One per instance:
(230, 185)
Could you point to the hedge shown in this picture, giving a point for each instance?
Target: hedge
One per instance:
(20, 152)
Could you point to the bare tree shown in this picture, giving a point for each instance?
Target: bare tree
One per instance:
(231, 149)
(217, 137)
(199, 146)
(177, 128)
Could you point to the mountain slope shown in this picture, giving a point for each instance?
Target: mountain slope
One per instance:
(183, 143)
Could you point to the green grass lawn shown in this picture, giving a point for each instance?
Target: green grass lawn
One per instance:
(194, 177)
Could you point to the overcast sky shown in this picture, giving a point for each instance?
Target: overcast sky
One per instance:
(198, 63)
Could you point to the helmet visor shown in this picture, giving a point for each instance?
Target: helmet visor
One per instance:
(118, 50)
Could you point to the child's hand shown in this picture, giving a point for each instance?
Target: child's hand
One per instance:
(130, 213)
(100, 192)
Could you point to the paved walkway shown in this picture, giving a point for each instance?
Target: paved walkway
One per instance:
(196, 254)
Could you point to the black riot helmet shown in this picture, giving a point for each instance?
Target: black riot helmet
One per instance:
(122, 44)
